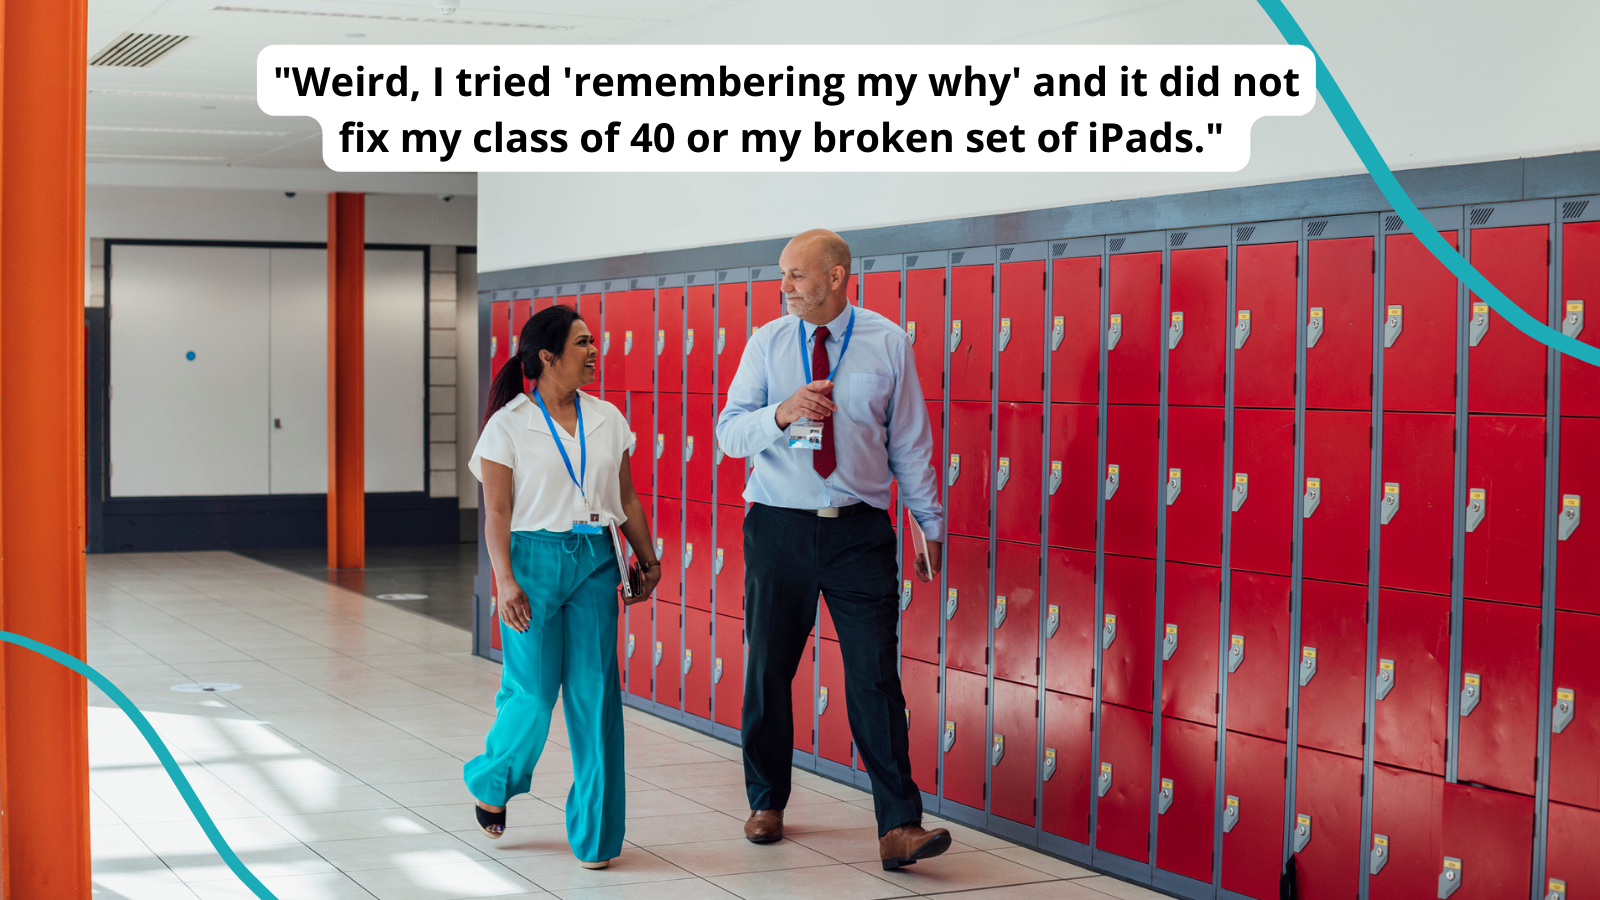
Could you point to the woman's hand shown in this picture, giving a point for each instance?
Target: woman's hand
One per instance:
(513, 606)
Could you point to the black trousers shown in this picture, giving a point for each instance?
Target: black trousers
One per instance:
(791, 556)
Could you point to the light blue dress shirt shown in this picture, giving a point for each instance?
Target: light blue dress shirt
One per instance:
(880, 430)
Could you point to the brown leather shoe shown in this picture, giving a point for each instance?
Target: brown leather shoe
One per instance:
(905, 845)
(764, 826)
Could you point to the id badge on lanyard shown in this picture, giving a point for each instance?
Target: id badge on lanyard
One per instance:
(805, 434)
(584, 520)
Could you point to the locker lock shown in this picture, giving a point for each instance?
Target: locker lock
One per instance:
(1477, 507)
(688, 660)
(1479, 326)
(1235, 652)
(656, 659)
(1174, 484)
(1175, 331)
(1164, 799)
(1003, 474)
(1055, 476)
(722, 339)
(1114, 333)
(1108, 632)
(1385, 677)
(605, 343)
(997, 750)
(1379, 857)
(822, 699)
(630, 647)
(1105, 779)
(1566, 707)
(1313, 497)
(716, 562)
(688, 341)
(688, 447)
(1241, 329)
(1241, 489)
(1308, 665)
(1111, 479)
(1571, 505)
(1058, 330)
(661, 445)
(1391, 502)
(1572, 322)
(661, 342)
(494, 344)
(954, 471)
(661, 547)
(716, 670)
(1049, 762)
(951, 596)
(949, 735)
(1557, 889)
(1302, 831)
(1230, 814)
(688, 554)
(1005, 333)
(1052, 621)
(1169, 642)
(1391, 325)
(905, 594)
(1471, 693)
(627, 343)
(716, 456)
(1449, 877)
(955, 334)
(999, 611)
(911, 332)
(1314, 327)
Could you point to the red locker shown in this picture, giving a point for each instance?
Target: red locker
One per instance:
(1069, 773)
(570, 301)
(766, 303)
(1258, 655)
(921, 605)
(1264, 327)
(920, 682)
(925, 327)
(727, 561)
(1122, 781)
(833, 725)
(1127, 632)
(1015, 612)
(669, 339)
(1506, 368)
(1013, 752)
(1327, 826)
(971, 333)
(1130, 483)
(1574, 777)
(1491, 834)
(642, 423)
(1339, 306)
(881, 294)
(1335, 497)
(1333, 666)
(592, 309)
(1570, 856)
(698, 661)
(728, 471)
(1500, 673)
(1186, 801)
(1419, 338)
(638, 336)
(499, 335)
(1135, 333)
(964, 740)
(699, 339)
(727, 671)
(1505, 508)
(669, 546)
(1262, 495)
(1404, 848)
(1189, 643)
(1252, 844)
(1195, 485)
(1580, 287)
(1416, 511)
(1578, 547)
(1075, 331)
(521, 311)
(825, 622)
(699, 445)
(966, 604)
(669, 445)
(967, 469)
(729, 339)
(1197, 328)
(640, 649)
(1070, 628)
(803, 698)
(1413, 689)
(699, 551)
(668, 647)
(1017, 472)
(1021, 332)
(1074, 480)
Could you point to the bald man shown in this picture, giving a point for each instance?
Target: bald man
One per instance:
(827, 402)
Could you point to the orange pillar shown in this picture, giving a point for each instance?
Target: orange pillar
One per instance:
(347, 517)
(44, 772)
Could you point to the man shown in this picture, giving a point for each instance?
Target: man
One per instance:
(827, 401)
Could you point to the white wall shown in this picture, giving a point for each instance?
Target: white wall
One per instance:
(1435, 83)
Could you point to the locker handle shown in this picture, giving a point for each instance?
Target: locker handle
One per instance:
(1314, 327)
(954, 471)
(1108, 631)
(1175, 331)
(1571, 507)
(997, 750)
(1557, 889)
(1235, 652)
(656, 659)
(716, 670)
(905, 594)
(1313, 497)
(1049, 762)
(1052, 621)
(661, 445)
(605, 344)
(688, 554)
(949, 735)
(1002, 473)
(1308, 665)
(1230, 814)
(1114, 332)
(1449, 877)
(1385, 677)
(1164, 799)
(688, 341)
(1055, 476)
(822, 699)
(1005, 333)
(722, 340)
(1105, 779)
(1572, 322)
(1174, 484)
(1058, 330)
(999, 611)
(955, 334)
(911, 332)
(1241, 329)
(1380, 854)
(1302, 831)
(1471, 692)
(630, 647)
(1169, 642)
(688, 660)
(1566, 708)
(716, 456)
(661, 342)
(716, 562)
(1477, 508)
(1392, 325)
(1479, 326)
(1112, 477)
(688, 447)
(1391, 502)
(627, 343)
(950, 598)
(1241, 490)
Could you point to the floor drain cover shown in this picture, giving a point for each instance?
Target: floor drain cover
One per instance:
(402, 596)
(205, 687)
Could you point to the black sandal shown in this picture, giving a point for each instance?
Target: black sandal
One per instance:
(487, 819)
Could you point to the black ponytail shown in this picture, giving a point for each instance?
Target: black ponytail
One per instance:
(548, 329)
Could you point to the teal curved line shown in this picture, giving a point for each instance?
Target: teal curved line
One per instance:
(1362, 143)
(162, 753)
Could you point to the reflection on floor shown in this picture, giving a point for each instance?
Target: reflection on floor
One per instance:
(443, 572)
(335, 770)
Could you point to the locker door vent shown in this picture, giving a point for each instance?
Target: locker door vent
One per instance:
(136, 50)
(1178, 237)
(1392, 223)
(633, 284)
(606, 286)
(1573, 208)
(1315, 229)
(868, 265)
(1005, 253)
(1058, 249)
(1243, 233)
(661, 280)
(689, 278)
(755, 274)
(911, 260)
(955, 258)
(1116, 244)
(1481, 216)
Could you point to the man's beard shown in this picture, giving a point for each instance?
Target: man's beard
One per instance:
(803, 306)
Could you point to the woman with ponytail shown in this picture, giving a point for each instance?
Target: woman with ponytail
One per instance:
(554, 467)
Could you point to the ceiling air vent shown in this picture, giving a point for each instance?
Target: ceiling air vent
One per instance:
(1392, 223)
(1243, 233)
(1005, 253)
(136, 50)
(1573, 208)
(1315, 229)
(1178, 237)
(1481, 216)
(1116, 244)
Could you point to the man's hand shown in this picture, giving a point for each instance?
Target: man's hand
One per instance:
(928, 566)
(810, 402)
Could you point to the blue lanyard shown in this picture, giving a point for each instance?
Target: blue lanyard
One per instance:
(583, 443)
(805, 358)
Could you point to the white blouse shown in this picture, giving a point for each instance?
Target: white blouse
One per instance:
(543, 495)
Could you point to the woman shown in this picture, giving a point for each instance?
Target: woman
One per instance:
(554, 467)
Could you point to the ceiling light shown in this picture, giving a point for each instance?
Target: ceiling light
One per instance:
(402, 20)
(445, 9)
(354, 34)
(170, 95)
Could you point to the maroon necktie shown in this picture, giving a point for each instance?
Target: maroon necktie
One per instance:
(823, 460)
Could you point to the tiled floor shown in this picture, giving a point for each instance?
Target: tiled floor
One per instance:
(335, 772)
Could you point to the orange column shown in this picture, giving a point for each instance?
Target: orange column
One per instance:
(347, 517)
(44, 773)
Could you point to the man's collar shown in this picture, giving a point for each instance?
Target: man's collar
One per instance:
(835, 328)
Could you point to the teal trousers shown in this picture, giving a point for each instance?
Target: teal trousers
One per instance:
(570, 648)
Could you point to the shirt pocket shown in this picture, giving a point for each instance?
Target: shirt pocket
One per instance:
(866, 398)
